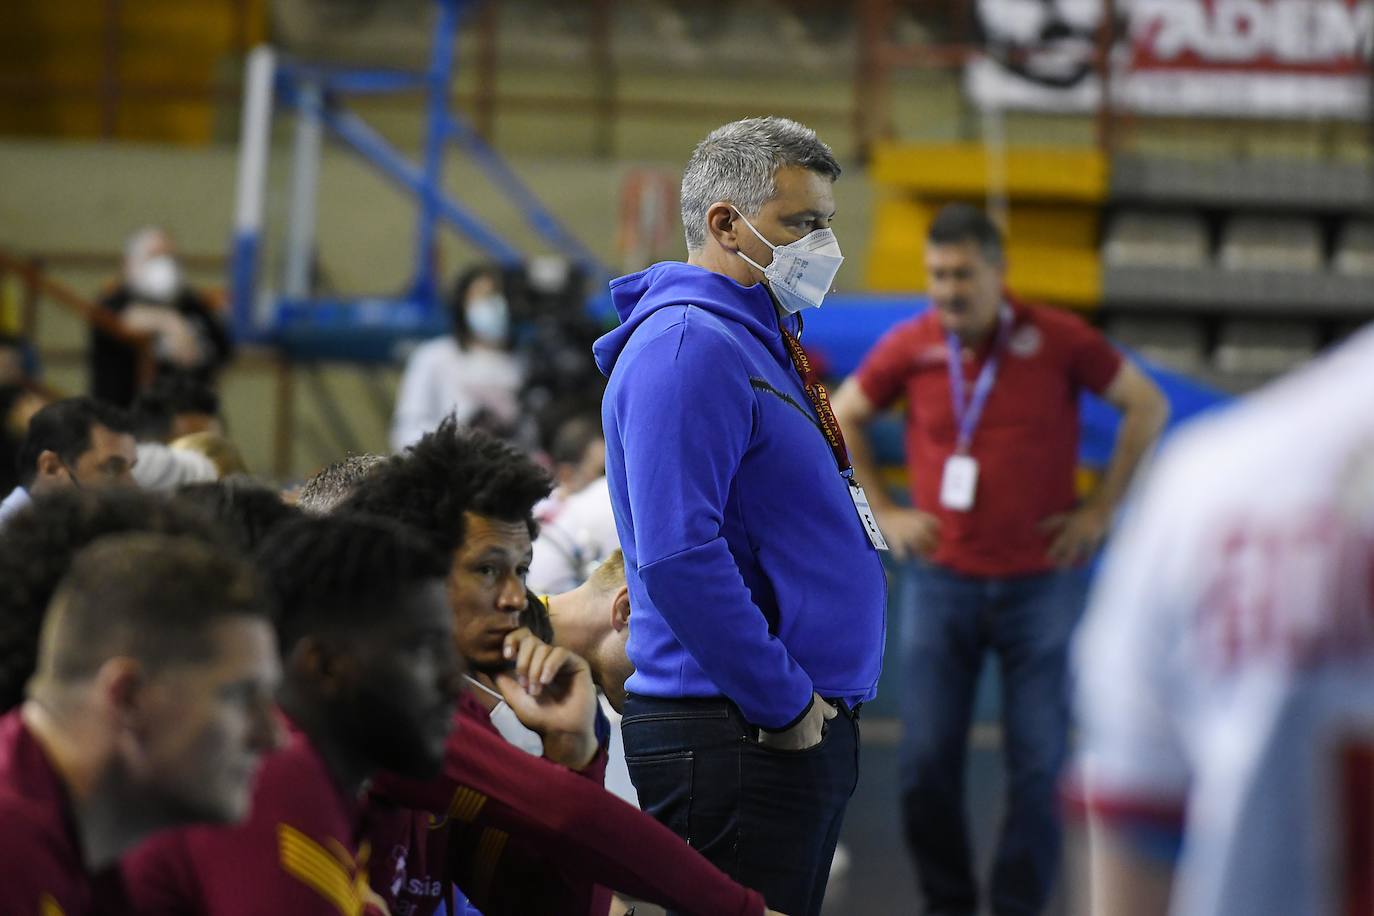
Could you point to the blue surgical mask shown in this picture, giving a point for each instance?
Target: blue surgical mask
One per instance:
(489, 319)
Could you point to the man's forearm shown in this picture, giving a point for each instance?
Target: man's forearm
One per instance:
(1141, 425)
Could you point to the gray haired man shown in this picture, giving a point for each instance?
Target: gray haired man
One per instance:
(751, 554)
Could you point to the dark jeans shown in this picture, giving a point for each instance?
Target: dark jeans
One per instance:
(769, 819)
(951, 621)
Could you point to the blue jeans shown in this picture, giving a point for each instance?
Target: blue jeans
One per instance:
(952, 620)
(769, 819)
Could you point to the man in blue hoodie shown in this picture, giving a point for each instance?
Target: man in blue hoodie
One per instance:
(751, 555)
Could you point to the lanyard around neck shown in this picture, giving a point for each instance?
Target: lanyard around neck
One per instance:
(968, 411)
(820, 400)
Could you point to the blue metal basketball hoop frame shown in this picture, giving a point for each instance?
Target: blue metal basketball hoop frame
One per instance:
(367, 328)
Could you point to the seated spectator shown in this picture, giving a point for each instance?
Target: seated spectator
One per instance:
(75, 442)
(246, 510)
(578, 453)
(593, 621)
(489, 540)
(37, 548)
(176, 406)
(18, 404)
(152, 298)
(173, 406)
(577, 523)
(151, 708)
(219, 450)
(14, 360)
(322, 494)
(370, 682)
(470, 373)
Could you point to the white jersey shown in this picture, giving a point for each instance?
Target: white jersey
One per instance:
(1226, 665)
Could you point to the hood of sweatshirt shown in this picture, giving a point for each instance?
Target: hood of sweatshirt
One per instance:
(638, 295)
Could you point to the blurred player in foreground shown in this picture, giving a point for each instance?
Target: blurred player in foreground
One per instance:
(1226, 668)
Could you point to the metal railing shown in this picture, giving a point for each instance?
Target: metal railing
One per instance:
(38, 286)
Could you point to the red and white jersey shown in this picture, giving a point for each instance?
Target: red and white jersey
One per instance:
(1226, 665)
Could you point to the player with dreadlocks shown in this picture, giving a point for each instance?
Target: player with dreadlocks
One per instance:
(521, 834)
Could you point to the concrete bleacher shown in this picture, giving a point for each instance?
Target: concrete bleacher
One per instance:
(1266, 243)
(1178, 343)
(1355, 249)
(1156, 239)
(1264, 348)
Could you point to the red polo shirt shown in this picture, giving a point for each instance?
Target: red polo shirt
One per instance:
(42, 872)
(299, 852)
(1026, 443)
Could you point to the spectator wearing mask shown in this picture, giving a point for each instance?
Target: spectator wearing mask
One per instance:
(470, 373)
(151, 708)
(74, 442)
(370, 681)
(153, 299)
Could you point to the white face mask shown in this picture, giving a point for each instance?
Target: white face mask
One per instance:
(802, 271)
(489, 319)
(157, 279)
(516, 732)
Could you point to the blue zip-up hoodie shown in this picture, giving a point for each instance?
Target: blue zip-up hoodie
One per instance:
(749, 570)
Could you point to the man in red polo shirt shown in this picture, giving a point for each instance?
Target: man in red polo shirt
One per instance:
(998, 538)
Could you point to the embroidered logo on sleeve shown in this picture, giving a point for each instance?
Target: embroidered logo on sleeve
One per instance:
(331, 873)
(466, 805)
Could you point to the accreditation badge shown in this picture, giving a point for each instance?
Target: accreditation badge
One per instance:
(959, 483)
(866, 516)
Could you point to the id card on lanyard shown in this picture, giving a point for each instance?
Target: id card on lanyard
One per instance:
(959, 480)
(834, 436)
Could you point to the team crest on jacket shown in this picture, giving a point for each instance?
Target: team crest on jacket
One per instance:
(1025, 341)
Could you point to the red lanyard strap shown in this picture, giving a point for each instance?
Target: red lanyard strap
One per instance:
(820, 400)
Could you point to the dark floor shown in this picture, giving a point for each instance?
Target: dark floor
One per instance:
(879, 880)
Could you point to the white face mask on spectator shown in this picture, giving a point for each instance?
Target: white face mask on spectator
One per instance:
(489, 319)
(158, 279)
